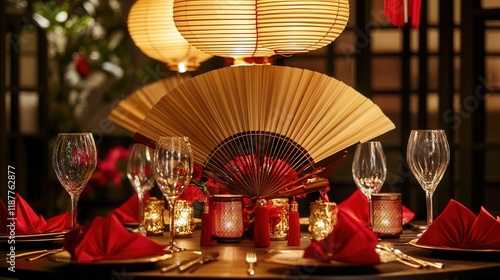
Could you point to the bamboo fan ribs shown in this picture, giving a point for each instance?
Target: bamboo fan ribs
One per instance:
(258, 129)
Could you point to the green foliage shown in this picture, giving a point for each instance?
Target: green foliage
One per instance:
(86, 38)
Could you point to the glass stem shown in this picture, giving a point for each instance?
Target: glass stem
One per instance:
(171, 204)
(74, 211)
(370, 211)
(428, 198)
(140, 196)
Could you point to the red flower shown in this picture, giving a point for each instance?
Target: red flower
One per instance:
(109, 166)
(214, 187)
(108, 169)
(197, 171)
(82, 66)
(192, 193)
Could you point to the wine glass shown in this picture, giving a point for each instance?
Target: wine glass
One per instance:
(140, 174)
(173, 169)
(369, 170)
(428, 155)
(74, 159)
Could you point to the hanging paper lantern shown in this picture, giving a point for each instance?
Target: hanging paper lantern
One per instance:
(221, 28)
(300, 26)
(151, 26)
(260, 28)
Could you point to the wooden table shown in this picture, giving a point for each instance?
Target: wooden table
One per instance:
(231, 265)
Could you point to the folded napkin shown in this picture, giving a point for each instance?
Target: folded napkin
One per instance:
(4, 216)
(128, 212)
(107, 239)
(458, 227)
(28, 222)
(355, 204)
(349, 242)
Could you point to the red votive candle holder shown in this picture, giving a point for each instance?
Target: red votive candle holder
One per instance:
(227, 218)
(387, 215)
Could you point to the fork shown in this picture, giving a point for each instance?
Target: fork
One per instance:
(251, 259)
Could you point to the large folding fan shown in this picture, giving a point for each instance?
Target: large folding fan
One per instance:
(259, 129)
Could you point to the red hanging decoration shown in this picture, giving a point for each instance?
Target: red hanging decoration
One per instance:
(206, 224)
(415, 13)
(399, 11)
(293, 225)
(261, 236)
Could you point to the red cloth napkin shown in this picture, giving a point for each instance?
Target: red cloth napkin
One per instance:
(28, 222)
(458, 227)
(128, 212)
(4, 215)
(356, 205)
(349, 242)
(107, 239)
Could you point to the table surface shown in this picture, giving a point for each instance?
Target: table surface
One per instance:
(231, 264)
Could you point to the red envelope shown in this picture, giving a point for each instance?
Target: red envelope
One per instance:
(458, 227)
(356, 205)
(349, 242)
(128, 212)
(28, 222)
(107, 239)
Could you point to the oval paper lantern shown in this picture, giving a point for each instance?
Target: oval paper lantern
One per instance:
(151, 26)
(222, 28)
(256, 28)
(289, 26)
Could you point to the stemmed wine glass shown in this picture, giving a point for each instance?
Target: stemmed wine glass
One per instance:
(140, 174)
(369, 170)
(428, 155)
(173, 169)
(74, 159)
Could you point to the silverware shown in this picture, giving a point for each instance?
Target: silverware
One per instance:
(176, 264)
(251, 259)
(25, 254)
(203, 259)
(48, 252)
(400, 255)
(388, 256)
(423, 262)
(414, 265)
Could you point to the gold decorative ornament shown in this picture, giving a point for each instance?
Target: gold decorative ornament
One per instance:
(322, 219)
(153, 216)
(280, 230)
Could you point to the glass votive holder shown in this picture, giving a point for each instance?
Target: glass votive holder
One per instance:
(184, 218)
(227, 218)
(322, 219)
(387, 215)
(153, 216)
(280, 230)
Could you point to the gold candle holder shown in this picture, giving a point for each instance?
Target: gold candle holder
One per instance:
(387, 215)
(153, 216)
(184, 218)
(322, 219)
(227, 218)
(280, 230)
